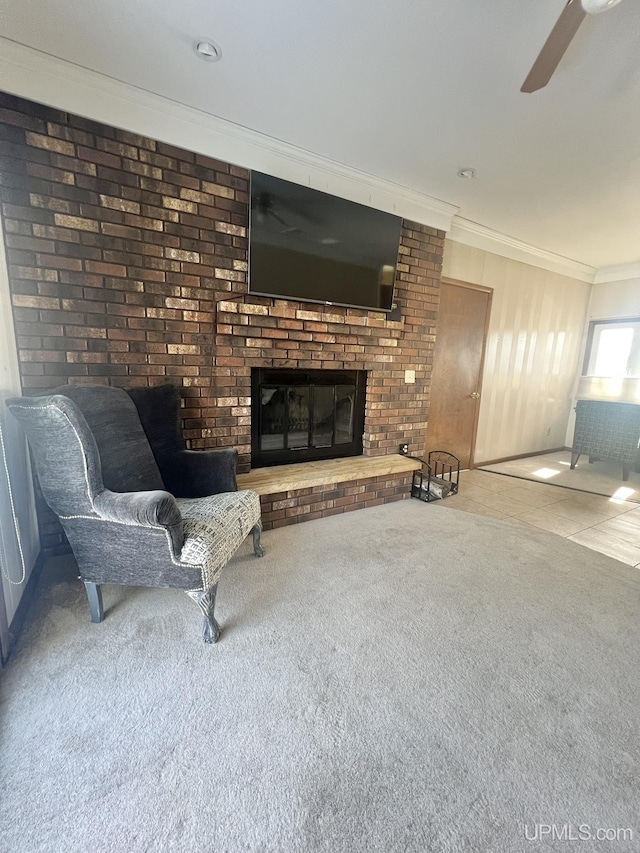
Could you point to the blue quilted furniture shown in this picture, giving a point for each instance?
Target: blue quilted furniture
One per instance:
(607, 430)
(136, 506)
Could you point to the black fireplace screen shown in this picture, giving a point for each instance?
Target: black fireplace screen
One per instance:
(300, 415)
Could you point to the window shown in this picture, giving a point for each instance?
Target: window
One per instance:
(613, 349)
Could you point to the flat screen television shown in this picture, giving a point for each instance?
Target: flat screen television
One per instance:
(311, 246)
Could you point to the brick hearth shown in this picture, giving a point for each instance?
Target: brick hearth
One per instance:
(301, 492)
(128, 266)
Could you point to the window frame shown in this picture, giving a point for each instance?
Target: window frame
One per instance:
(593, 324)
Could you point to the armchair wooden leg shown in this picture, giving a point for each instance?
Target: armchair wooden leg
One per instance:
(574, 459)
(258, 550)
(94, 594)
(206, 601)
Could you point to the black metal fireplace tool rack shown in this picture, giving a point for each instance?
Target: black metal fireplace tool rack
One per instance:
(438, 477)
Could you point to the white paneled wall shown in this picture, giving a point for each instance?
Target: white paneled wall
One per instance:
(18, 465)
(533, 349)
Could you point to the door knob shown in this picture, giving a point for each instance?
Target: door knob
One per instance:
(475, 395)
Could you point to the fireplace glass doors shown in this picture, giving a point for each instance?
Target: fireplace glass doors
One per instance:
(301, 415)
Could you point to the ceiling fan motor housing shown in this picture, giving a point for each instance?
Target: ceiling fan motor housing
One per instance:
(593, 7)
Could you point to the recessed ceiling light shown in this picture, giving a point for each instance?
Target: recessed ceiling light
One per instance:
(466, 173)
(207, 49)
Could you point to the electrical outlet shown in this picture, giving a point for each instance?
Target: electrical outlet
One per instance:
(403, 450)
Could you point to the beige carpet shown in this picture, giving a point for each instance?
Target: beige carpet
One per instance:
(403, 679)
(599, 478)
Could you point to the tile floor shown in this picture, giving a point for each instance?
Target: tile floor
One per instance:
(603, 524)
(603, 476)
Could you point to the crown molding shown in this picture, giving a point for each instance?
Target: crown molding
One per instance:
(481, 237)
(622, 272)
(35, 75)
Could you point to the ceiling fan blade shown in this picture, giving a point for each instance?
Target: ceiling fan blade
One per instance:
(555, 46)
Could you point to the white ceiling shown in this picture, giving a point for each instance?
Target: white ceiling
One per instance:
(407, 91)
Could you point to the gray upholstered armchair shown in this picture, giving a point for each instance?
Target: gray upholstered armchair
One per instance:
(136, 506)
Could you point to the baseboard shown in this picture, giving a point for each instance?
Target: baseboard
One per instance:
(23, 607)
(520, 456)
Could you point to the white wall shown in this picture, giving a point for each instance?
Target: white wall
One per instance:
(533, 350)
(615, 299)
(18, 464)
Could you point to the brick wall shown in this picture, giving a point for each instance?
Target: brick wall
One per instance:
(116, 246)
(128, 266)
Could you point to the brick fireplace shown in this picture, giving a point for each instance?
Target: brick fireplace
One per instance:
(265, 332)
(128, 266)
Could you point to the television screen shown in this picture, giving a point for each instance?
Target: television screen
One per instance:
(311, 246)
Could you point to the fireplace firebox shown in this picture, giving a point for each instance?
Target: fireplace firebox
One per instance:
(302, 415)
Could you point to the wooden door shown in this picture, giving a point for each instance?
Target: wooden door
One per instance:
(463, 320)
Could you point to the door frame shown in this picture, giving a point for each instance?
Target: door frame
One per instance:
(489, 291)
